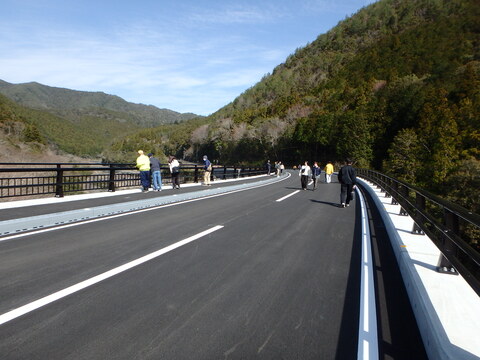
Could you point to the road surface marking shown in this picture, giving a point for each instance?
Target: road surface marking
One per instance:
(107, 217)
(367, 329)
(13, 314)
(286, 197)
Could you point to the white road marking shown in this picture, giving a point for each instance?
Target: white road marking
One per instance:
(286, 197)
(367, 329)
(34, 232)
(13, 314)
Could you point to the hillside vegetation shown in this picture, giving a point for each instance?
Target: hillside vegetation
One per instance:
(77, 122)
(396, 87)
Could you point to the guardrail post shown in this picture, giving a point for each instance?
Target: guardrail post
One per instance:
(111, 180)
(420, 202)
(395, 189)
(404, 192)
(195, 177)
(444, 265)
(389, 183)
(59, 182)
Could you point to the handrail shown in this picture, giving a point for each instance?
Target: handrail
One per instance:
(61, 178)
(453, 229)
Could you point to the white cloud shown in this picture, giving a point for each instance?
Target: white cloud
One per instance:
(237, 14)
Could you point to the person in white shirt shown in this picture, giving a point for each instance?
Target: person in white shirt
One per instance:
(175, 171)
(304, 173)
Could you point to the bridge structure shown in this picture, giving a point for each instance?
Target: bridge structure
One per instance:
(251, 267)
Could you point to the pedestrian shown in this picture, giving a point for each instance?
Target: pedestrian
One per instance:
(348, 180)
(143, 165)
(328, 172)
(304, 174)
(277, 167)
(207, 170)
(268, 166)
(156, 175)
(175, 171)
(316, 171)
(282, 167)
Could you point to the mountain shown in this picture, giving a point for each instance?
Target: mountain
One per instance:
(73, 103)
(74, 122)
(396, 87)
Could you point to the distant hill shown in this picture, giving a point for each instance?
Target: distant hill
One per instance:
(74, 103)
(396, 87)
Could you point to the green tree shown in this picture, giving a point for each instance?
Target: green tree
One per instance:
(404, 160)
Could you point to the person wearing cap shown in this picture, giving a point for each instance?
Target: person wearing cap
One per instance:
(156, 175)
(143, 165)
(207, 170)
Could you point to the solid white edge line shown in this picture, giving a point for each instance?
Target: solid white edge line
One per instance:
(13, 314)
(34, 232)
(367, 328)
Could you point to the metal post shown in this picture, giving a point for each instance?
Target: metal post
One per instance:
(420, 203)
(404, 193)
(59, 182)
(111, 181)
(195, 178)
(225, 173)
(444, 265)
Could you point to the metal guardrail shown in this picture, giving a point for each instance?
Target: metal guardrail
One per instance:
(61, 178)
(453, 229)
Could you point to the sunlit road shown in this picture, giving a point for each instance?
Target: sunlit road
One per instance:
(254, 278)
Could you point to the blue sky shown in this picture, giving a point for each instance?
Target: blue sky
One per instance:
(184, 55)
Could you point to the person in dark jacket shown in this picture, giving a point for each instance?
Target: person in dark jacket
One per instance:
(268, 167)
(316, 171)
(348, 181)
(207, 170)
(155, 170)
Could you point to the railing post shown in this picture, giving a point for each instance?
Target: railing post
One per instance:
(59, 182)
(111, 181)
(404, 193)
(195, 177)
(420, 203)
(444, 265)
(395, 189)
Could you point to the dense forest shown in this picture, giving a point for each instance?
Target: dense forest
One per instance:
(396, 87)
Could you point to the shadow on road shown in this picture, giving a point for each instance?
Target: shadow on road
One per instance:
(325, 202)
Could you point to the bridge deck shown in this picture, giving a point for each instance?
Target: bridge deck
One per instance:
(278, 280)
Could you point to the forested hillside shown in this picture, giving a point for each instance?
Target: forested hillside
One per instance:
(396, 87)
(76, 122)
(75, 104)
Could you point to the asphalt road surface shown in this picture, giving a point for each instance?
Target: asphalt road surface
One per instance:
(254, 278)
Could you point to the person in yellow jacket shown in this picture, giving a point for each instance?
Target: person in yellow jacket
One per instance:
(328, 172)
(143, 165)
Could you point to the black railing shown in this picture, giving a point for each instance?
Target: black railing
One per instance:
(37, 179)
(453, 229)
